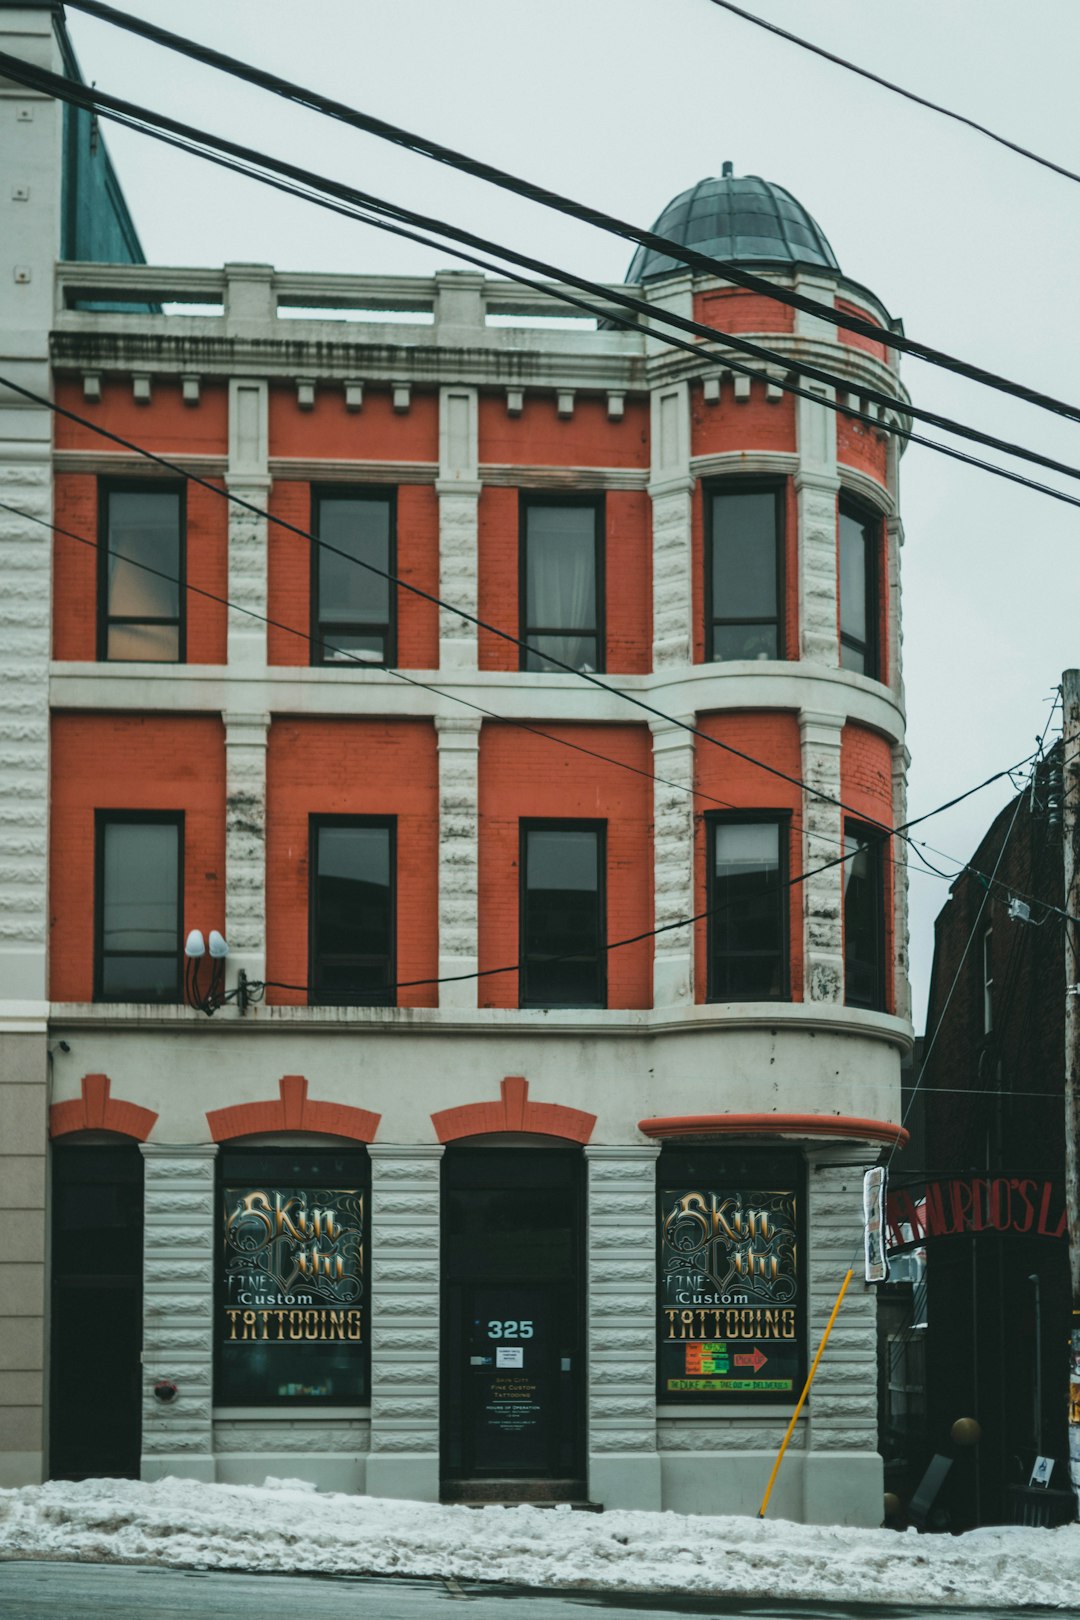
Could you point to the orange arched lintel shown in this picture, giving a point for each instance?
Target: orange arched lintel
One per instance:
(837, 1126)
(96, 1110)
(292, 1112)
(513, 1112)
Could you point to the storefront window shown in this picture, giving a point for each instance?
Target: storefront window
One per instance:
(731, 1298)
(292, 1312)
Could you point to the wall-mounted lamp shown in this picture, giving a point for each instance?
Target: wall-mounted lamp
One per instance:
(204, 987)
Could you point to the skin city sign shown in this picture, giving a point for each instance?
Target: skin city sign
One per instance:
(731, 1319)
(291, 1321)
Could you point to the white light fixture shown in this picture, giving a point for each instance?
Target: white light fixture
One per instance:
(218, 946)
(195, 945)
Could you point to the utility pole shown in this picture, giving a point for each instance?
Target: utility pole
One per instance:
(1070, 701)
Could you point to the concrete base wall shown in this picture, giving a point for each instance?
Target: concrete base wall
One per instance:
(326, 1471)
(626, 1482)
(414, 1478)
(731, 1482)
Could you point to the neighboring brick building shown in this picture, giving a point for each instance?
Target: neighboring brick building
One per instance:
(990, 1212)
(400, 1224)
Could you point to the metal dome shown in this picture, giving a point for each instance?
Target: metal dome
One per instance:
(738, 218)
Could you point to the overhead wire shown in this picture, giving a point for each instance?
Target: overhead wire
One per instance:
(804, 786)
(493, 175)
(404, 584)
(428, 596)
(214, 148)
(852, 67)
(930, 1046)
(347, 656)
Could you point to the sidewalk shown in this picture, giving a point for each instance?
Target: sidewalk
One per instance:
(285, 1527)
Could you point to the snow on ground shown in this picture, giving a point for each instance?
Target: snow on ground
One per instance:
(284, 1526)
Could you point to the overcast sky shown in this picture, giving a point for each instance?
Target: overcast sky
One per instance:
(624, 103)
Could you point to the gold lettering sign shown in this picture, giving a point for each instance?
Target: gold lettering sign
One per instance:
(294, 1265)
(730, 1318)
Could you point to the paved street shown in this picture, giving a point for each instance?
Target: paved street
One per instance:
(53, 1591)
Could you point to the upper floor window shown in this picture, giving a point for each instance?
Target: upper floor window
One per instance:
(141, 595)
(859, 590)
(138, 908)
(988, 979)
(562, 915)
(864, 917)
(352, 600)
(744, 571)
(561, 572)
(747, 901)
(352, 912)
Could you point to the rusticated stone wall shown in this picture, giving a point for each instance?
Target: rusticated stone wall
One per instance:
(405, 1208)
(178, 1310)
(621, 1240)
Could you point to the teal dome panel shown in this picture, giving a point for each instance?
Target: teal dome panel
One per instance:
(738, 218)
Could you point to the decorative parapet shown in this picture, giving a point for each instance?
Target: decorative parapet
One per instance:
(96, 1110)
(292, 1112)
(513, 1112)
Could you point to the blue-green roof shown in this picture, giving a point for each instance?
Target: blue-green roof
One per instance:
(740, 219)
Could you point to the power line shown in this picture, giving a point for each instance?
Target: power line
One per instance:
(478, 169)
(149, 123)
(491, 714)
(404, 584)
(852, 67)
(437, 601)
(929, 1049)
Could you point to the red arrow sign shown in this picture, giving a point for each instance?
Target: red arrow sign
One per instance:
(755, 1360)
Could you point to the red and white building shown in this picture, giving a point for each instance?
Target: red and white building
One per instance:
(476, 1201)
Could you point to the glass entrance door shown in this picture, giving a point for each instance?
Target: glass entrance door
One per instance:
(513, 1362)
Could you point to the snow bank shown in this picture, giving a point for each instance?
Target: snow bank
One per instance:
(286, 1527)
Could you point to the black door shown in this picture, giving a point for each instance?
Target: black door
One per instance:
(513, 1361)
(95, 1423)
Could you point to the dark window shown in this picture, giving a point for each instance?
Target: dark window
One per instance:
(859, 590)
(745, 572)
(141, 594)
(353, 604)
(292, 1294)
(562, 584)
(352, 912)
(988, 979)
(864, 918)
(562, 915)
(748, 929)
(138, 912)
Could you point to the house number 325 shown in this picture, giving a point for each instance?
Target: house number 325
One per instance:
(509, 1330)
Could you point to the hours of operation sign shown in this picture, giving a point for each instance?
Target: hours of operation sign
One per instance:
(730, 1313)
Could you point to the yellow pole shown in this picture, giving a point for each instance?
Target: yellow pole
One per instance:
(805, 1393)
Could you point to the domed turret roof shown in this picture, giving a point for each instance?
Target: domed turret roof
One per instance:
(740, 218)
